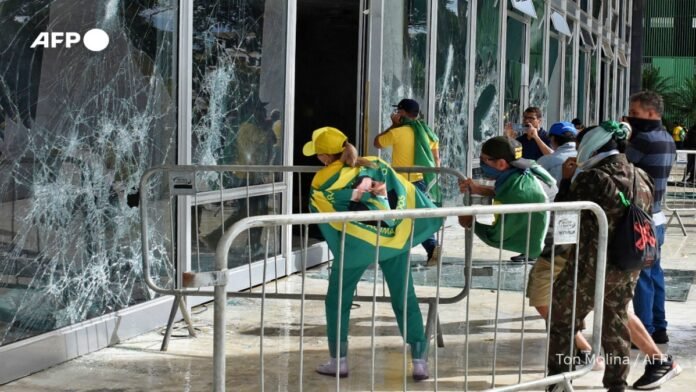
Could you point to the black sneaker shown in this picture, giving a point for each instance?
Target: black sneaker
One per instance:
(660, 336)
(657, 373)
(522, 259)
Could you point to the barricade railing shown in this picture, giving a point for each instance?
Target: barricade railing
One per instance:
(211, 184)
(496, 377)
(680, 197)
(567, 220)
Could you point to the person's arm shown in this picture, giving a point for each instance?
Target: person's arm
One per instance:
(567, 172)
(533, 133)
(396, 122)
(635, 149)
(470, 186)
(436, 156)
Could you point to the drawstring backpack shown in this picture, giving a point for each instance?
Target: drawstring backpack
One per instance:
(634, 245)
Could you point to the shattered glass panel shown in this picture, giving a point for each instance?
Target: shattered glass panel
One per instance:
(592, 110)
(538, 93)
(610, 94)
(553, 114)
(582, 78)
(451, 105)
(568, 80)
(78, 128)
(238, 81)
(212, 220)
(238, 97)
(486, 106)
(404, 57)
(514, 71)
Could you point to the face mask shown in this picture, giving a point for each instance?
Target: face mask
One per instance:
(489, 171)
(642, 124)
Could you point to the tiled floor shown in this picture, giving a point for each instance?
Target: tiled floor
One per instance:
(138, 365)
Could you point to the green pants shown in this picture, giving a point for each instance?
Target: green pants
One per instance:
(394, 271)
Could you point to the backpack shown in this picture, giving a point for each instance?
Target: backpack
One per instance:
(634, 244)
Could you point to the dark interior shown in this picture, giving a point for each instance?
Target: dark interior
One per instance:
(326, 75)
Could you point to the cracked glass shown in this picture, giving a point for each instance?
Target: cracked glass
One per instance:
(451, 91)
(78, 129)
(238, 72)
(486, 106)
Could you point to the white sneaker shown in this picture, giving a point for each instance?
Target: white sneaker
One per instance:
(329, 368)
(420, 370)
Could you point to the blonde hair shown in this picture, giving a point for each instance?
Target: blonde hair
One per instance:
(350, 157)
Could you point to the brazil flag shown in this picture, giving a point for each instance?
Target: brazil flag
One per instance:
(333, 190)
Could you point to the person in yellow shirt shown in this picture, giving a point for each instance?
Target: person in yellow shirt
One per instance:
(679, 134)
(414, 144)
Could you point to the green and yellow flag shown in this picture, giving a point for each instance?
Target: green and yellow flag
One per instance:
(332, 191)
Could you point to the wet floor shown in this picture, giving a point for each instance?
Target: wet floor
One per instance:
(473, 351)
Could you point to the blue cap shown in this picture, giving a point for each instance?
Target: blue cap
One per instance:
(560, 128)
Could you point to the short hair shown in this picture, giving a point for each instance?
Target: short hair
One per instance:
(535, 110)
(649, 100)
(566, 137)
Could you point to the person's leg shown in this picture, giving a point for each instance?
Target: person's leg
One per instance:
(641, 338)
(560, 357)
(659, 320)
(430, 243)
(351, 277)
(659, 367)
(643, 299)
(395, 271)
(615, 333)
(691, 162)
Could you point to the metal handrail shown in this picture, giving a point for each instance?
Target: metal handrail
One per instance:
(222, 251)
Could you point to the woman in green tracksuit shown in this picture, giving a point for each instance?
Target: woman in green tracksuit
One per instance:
(349, 182)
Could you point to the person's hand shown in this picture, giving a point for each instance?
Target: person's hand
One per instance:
(395, 119)
(509, 132)
(379, 188)
(466, 221)
(531, 132)
(569, 167)
(470, 186)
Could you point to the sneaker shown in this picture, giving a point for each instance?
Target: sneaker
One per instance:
(657, 373)
(660, 336)
(329, 368)
(433, 256)
(522, 259)
(420, 370)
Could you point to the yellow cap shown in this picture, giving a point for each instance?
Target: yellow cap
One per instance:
(326, 140)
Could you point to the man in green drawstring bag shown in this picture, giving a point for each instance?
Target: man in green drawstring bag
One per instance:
(414, 144)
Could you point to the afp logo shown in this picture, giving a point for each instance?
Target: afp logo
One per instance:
(95, 40)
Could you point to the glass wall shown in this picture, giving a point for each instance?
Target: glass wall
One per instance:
(404, 58)
(538, 94)
(553, 111)
(569, 80)
(486, 105)
(515, 66)
(404, 55)
(583, 58)
(592, 110)
(78, 128)
(238, 95)
(451, 90)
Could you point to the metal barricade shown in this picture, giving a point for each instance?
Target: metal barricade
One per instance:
(183, 182)
(219, 279)
(680, 197)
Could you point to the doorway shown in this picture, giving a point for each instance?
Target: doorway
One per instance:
(326, 76)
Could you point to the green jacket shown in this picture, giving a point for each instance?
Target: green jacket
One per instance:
(534, 185)
(332, 190)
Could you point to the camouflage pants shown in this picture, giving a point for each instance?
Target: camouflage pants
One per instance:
(616, 338)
